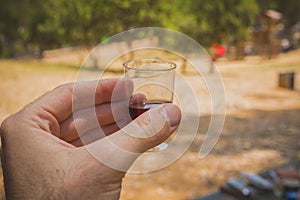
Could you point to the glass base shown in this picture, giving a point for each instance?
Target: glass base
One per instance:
(159, 147)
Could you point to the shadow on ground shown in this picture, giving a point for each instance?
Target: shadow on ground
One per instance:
(255, 129)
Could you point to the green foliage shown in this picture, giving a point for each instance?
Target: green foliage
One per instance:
(221, 21)
(31, 26)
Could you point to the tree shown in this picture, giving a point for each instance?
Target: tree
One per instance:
(221, 21)
(33, 25)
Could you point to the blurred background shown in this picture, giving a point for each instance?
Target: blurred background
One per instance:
(29, 27)
(253, 43)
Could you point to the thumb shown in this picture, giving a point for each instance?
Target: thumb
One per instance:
(120, 149)
(148, 130)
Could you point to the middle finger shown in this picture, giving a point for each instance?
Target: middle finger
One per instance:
(89, 118)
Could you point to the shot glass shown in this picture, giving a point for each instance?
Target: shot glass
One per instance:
(153, 81)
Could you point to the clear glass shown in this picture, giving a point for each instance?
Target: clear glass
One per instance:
(153, 85)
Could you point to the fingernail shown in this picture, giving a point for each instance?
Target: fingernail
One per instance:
(171, 113)
(164, 113)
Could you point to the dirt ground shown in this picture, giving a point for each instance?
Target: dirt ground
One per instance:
(261, 130)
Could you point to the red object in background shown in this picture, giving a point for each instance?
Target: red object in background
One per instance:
(218, 51)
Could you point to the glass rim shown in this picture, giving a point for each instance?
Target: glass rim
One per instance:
(170, 63)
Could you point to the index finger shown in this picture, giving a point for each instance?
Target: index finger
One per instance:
(65, 99)
(91, 93)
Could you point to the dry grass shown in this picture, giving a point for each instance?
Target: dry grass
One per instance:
(24, 81)
(261, 130)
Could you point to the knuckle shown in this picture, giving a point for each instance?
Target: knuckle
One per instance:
(65, 87)
(6, 124)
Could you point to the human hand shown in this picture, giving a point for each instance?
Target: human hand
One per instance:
(42, 156)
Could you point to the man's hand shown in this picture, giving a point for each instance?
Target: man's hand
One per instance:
(42, 152)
